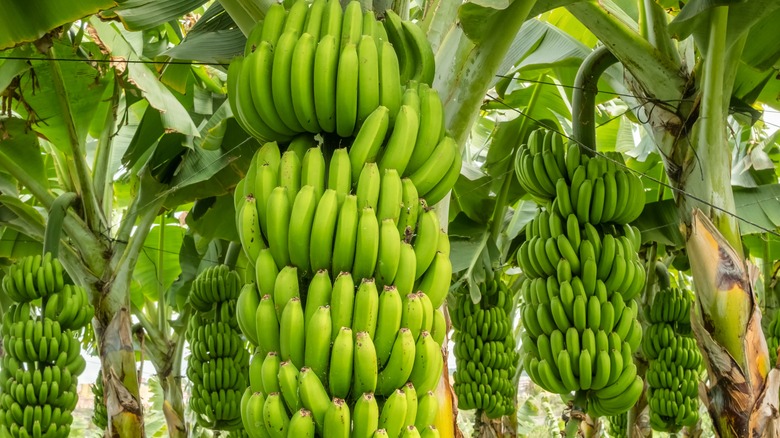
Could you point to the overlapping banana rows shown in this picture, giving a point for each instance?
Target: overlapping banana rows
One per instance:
(341, 344)
(319, 68)
(100, 413)
(219, 362)
(617, 425)
(674, 369)
(485, 354)
(599, 190)
(582, 270)
(38, 373)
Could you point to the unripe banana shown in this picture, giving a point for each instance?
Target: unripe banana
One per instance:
(301, 424)
(246, 309)
(249, 231)
(292, 333)
(324, 230)
(399, 366)
(279, 210)
(352, 24)
(368, 186)
(326, 64)
(285, 288)
(388, 322)
(365, 418)
(340, 174)
(427, 409)
(270, 371)
(405, 275)
(342, 302)
(426, 241)
(288, 385)
(431, 129)
(390, 90)
(347, 90)
(346, 235)
(319, 294)
(365, 365)
(302, 82)
(274, 416)
(410, 208)
(389, 253)
(280, 79)
(313, 395)
(368, 77)
(436, 281)
(393, 413)
(317, 352)
(337, 420)
(368, 141)
(367, 248)
(301, 221)
(428, 364)
(341, 363)
(289, 175)
(366, 310)
(400, 145)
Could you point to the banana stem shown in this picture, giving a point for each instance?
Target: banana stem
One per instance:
(57, 212)
(584, 97)
(577, 415)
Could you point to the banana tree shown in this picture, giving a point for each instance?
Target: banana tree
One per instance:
(125, 142)
(686, 90)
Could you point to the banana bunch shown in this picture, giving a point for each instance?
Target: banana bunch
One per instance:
(674, 369)
(324, 366)
(33, 277)
(485, 350)
(70, 307)
(38, 373)
(617, 425)
(773, 337)
(214, 285)
(597, 190)
(218, 363)
(100, 414)
(318, 68)
(582, 272)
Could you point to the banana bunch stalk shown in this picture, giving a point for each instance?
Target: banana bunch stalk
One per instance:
(38, 373)
(485, 351)
(218, 363)
(674, 369)
(582, 272)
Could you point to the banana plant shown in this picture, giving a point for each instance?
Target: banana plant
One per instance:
(125, 141)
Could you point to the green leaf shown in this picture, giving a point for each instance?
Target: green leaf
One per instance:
(84, 87)
(203, 173)
(760, 205)
(173, 114)
(146, 14)
(219, 46)
(24, 21)
(147, 280)
(21, 146)
(15, 245)
(693, 15)
(214, 218)
(191, 263)
(762, 52)
(477, 17)
(660, 222)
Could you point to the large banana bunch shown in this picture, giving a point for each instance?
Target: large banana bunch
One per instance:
(582, 271)
(42, 360)
(674, 369)
(485, 350)
(318, 68)
(218, 363)
(617, 425)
